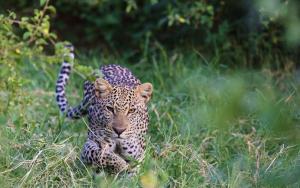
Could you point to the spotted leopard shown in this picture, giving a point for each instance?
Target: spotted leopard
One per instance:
(116, 109)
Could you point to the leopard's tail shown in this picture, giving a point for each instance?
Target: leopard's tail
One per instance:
(63, 78)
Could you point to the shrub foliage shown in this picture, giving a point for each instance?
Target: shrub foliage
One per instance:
(226, 28)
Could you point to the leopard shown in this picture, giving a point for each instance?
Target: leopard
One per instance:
(116, 107)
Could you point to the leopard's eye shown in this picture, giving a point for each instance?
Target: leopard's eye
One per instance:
(132, 110)
(109, 108)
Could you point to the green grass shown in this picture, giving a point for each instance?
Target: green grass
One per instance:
(210, 127)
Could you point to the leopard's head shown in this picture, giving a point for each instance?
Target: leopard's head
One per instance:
(122, 110)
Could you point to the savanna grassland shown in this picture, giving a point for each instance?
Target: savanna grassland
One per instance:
(215, 128)
(213, 123)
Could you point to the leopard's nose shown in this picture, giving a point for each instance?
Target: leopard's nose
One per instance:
(119, 130)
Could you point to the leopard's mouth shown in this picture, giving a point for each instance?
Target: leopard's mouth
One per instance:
(118, 137)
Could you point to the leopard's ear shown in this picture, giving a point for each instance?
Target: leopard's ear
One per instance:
(102, 88)
(145, 91)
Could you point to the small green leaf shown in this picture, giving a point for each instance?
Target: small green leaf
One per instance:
(42, 2)
(52, 9)
(26, 35)
(24, 19)
(84, 71)
(53, 35)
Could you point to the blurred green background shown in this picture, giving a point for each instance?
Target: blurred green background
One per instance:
(252, 29)
(225, 110)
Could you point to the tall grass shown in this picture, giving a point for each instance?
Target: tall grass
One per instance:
(210, 127)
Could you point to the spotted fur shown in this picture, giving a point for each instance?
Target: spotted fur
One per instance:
(116, 108)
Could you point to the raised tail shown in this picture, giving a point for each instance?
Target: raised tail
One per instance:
(63, 78)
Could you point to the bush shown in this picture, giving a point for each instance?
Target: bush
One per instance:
(23, 42)
(223, 28)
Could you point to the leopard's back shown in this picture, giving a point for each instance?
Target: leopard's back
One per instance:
(119, 76)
